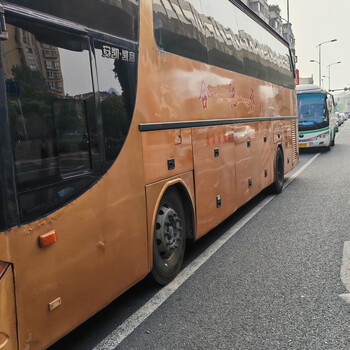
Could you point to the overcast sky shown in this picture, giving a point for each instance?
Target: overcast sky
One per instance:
(316, 21)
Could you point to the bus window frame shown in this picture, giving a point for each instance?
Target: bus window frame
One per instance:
(35, 17)
(29, 20)
(97, 37)
(8, 193)
(69, 24)
(36, 20)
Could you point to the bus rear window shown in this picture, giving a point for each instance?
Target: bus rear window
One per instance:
(117, 17)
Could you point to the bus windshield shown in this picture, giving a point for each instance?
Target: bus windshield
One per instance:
(312, 109)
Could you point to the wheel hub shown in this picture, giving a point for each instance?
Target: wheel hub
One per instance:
(168, 231)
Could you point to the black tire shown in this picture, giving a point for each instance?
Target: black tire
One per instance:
(277, 186)
(169, 239)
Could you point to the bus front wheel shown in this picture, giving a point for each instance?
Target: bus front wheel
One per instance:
(277, 186)
(169, 238)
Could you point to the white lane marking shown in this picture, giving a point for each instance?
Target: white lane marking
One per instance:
(113, 339)
(345, 271)
(345, 266)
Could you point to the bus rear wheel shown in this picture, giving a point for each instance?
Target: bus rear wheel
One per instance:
(277, 186)
(169, 239)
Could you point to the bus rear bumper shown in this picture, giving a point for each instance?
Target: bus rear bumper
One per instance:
(8, 328)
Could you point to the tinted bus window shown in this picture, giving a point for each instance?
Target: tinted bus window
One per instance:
(249, 36)
(50, 100)
(271, 52)
(277, 61)
(178, 28)
(117, 17)
(72, 136)
(233, 40)
(117, 73)
(287, 68)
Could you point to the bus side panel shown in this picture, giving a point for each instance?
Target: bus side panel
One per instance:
(215, 175)
(166, 153)
(101, 251)
(265, 145)
(283, 135)
(288, 146)
(170, 85)
(8, 332)
(248, 165)
(277, 131)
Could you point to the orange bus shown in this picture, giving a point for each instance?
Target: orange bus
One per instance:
(127, 127)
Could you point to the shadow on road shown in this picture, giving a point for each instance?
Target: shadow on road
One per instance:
(94, 330)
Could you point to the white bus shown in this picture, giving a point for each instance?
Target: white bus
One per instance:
(316, 116)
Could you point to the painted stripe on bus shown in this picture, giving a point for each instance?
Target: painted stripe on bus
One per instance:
(312, 131)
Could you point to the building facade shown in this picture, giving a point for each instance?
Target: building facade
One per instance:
(260, 7)
(289, 36)
(275, 19)
(271, 14)
(308, 80)
(24, 51)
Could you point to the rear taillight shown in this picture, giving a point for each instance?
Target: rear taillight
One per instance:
(3, 268)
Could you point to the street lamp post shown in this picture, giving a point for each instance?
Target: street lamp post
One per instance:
(319, 57)
(329, 73)
(288, 33)
(324, 76)
(318, 64)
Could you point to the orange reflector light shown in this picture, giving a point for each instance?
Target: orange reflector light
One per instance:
(47, 238)
(3, 268)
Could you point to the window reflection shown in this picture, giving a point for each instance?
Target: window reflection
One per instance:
(116, 68)
(178, 28)
(72, 136)
(97, 14)
(49, 96)
(220, 34)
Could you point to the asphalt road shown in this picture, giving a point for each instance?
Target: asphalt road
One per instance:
(274, 284)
